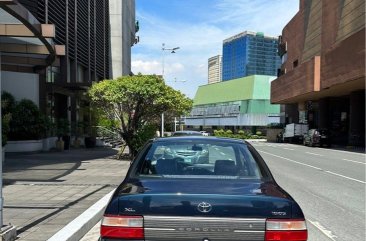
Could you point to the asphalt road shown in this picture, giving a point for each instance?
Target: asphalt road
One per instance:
(328, 184)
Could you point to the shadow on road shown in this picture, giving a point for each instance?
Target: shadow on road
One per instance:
(49, 166)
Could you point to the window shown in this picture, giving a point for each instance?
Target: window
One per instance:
(199, 159)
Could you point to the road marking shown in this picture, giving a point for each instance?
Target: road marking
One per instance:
(348, 152)
(288, 149)
(350, 178)
(354, 161)
(322, 229)
(317, 168)
(315, 154)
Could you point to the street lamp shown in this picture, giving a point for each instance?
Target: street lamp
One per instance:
(163, 49)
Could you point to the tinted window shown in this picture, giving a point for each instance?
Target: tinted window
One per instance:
(199, 159)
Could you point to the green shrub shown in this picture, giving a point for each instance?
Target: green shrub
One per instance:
(242, 134)
(220, 132)
(7, 107)
(62, 127)
(229, 132)
(7, 103)
(27, 122)
(5, 121)
(144, 134)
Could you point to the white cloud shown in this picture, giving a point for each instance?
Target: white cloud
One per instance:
(155, 67)
(145, 67)
(200, 40)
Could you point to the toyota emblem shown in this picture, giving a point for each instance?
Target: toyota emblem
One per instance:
(204, 207)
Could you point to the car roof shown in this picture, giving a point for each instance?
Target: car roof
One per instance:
(203, 138)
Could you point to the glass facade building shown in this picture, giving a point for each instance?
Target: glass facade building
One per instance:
(249, 53)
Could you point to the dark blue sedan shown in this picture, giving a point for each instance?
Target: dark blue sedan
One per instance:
(201, 189)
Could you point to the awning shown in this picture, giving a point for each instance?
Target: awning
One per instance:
(26, 45)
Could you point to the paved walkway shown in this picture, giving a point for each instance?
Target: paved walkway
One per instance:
(45, 191)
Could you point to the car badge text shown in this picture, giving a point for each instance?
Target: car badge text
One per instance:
(130, 210)
(279, 213)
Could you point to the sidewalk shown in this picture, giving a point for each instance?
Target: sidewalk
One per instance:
(45, 191)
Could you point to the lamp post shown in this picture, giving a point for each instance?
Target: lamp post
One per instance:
(163, 49)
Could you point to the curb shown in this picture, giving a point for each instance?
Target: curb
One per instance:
(81, 225)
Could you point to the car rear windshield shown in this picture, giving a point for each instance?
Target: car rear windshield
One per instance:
(199, 159)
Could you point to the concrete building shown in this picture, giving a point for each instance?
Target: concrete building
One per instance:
(238, 103)
(214, 69)
(53, 50)
(123, 28)
(322, 77)
(249, 53)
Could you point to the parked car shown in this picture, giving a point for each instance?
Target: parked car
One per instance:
(317, 137)
(204, 133)
(187, 133)
(168, 194)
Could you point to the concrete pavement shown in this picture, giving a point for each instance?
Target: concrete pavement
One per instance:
(45, 191)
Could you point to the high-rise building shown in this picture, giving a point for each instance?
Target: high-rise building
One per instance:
(214, 69)
(249, 53)
(322, 79)
(123, 29)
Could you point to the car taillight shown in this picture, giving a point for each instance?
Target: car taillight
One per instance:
(131, 227)
(286, 230)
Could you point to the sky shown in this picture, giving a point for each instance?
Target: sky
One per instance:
(198, 28)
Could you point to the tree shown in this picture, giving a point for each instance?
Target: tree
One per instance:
(137, 102)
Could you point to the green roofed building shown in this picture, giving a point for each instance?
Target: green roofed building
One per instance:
(243, 102)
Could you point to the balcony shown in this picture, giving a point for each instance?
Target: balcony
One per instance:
(282, 46)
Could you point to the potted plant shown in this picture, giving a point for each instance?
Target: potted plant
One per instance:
(62, 128)
(78, 130)
(90, 139)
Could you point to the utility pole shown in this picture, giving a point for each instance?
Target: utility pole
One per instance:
(163, 49)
